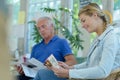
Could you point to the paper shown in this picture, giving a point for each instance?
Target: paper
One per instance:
(52, 61)
(29, 71)
(32, 66)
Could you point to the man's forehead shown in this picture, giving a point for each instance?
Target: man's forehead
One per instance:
(42, 21)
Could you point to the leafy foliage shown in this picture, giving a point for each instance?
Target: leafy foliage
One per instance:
(73, 37)
(36, 36)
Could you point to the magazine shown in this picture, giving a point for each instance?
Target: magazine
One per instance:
(51, 61)
(32, 66)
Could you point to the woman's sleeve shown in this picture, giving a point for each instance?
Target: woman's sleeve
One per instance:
(81, 65)
(105, 65)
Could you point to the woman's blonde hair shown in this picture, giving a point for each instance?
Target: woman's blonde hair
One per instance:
(91, 8)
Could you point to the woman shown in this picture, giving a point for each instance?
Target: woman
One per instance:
(103, 56)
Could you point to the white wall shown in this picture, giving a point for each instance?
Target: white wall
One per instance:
(4, 50)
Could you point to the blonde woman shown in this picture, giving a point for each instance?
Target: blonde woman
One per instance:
(103, 57)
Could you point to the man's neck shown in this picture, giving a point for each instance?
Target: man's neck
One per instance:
(48, 39)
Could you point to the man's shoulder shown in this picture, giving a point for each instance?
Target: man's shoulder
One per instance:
(37, 45)
(61, 39)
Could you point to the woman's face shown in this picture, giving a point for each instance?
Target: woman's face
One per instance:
(89, 22)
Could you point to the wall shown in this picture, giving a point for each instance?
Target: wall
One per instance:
(4, 50)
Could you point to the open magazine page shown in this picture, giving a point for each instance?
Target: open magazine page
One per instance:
(30, 72)
(38, 64)
(52, 60)
(32, 66)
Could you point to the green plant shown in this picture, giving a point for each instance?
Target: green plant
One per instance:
(73, 37)
(36, 36)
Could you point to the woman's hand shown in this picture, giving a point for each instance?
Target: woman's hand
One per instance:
(64, 65)
(48, 64)
(61, 72)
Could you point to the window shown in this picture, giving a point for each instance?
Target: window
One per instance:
(116, 14)
(33, 13)
(14, 7)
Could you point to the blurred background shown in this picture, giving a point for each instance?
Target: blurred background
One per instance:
(18, 33)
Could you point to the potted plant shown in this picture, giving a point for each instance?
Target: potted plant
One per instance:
(73, 37)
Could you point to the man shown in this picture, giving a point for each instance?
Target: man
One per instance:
(51, 44)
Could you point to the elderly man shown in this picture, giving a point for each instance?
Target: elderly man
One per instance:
(51, 44)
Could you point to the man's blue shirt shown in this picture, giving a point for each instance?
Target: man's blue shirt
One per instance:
(56, 46)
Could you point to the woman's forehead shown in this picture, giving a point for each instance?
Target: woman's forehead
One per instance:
(82, 16)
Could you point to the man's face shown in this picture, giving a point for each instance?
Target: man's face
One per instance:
(45, 29)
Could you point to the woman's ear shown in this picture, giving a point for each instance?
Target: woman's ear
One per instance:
(95, 14)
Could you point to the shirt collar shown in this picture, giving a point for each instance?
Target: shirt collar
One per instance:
(53, 39)
(109, 28)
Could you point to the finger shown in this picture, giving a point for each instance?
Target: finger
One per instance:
(21, 72)
(17, 68)
(20, 69)
(56, 74)
(59, 62)
(49, 67)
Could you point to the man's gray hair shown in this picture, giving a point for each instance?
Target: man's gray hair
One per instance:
(49, 20)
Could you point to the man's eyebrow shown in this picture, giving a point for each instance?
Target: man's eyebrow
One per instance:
(81, 19)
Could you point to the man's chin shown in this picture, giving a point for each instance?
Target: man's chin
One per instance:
(45, 37)
(88, 31)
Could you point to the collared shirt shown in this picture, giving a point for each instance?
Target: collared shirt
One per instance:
(103, 57)
(56, 46)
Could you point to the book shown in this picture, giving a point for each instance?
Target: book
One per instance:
(32, 66)
(51, 61)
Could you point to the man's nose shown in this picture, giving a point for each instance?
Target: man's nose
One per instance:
(41, 29)
(83, 25)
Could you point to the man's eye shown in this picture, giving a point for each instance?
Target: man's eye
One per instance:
(83, 21)
(43, 26)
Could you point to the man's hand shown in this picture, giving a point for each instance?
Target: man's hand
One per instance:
(19, 69)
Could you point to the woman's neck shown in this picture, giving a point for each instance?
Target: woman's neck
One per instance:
(101, 29)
